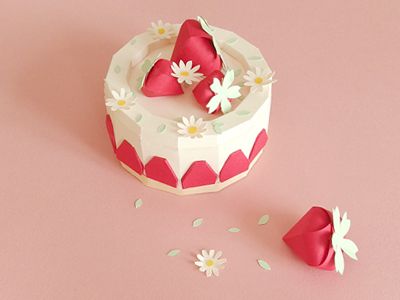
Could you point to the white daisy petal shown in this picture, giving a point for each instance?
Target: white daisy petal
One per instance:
(201, 258)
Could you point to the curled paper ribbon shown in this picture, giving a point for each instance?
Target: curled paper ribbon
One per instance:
(317, 238)
(195, 44)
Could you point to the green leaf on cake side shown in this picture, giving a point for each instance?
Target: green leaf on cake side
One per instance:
(217, 127)
(234, 229)
(138, 203)
(197, 222)
(161, 128)
(138, 118)
(139, 82)
(263, 264)
(117, 69)
(263, 220)
(133, 42)
(173, 252)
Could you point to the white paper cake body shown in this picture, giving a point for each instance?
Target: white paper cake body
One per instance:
(150, 125)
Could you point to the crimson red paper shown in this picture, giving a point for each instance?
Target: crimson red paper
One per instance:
(160, 82)
(127, 154)
(160, 170)
(194, 44)
(202, 91)
(310, 238)
(236, 163)
(110, 130)
(259, 144)
(199, 173)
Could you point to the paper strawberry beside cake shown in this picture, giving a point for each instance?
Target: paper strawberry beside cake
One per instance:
(188, 106)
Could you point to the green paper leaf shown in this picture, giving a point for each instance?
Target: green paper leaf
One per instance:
(117, 69)
(238, 72)
(174, 252)
(255, 57)
(263, 220)
(231, 40)
(133, 42)
(242, 112)
(138, 203)
(263, 264)
(197, 222)
(234, 229)
(161, 128)
(138, 117)
(217, 127)
(146, 65)
(139, 82)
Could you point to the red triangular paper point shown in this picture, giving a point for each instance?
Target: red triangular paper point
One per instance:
(127, 154)
(202, 91)
(199, 174)
(310, 238)
(236, 163)
(160, 170)
(160, 82)
(259, 143)
(194, 44)
(110, 130)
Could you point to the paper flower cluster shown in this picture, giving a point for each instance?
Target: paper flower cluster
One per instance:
(318, 238)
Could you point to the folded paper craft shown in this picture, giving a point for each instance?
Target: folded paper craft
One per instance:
(194, 44)
(318, 239)
(203, 93)
(160, 82)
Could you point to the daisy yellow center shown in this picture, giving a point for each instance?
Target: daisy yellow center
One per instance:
(185, 73)
(121, 102)
(209, 262)
(192, 129)
(258, 80)
(161, 30)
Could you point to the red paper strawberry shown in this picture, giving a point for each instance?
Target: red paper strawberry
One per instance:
(202, 91)
(194, 44)
(160, 82)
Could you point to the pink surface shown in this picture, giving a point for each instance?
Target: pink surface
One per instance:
(68, 226)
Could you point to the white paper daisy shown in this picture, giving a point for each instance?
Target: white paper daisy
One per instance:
(191, 127)
(258, 79)
(186, 72)
(210, 262)
(223, 92)
(121, 100)
(161, 31)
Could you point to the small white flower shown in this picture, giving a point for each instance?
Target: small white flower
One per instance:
(223, 92)
(161, 31)
(121, 100)
(339, 243)
(210, 262)
(186, 72)
(258, 79)
(191, 127)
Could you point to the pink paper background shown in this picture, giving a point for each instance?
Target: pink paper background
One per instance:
(68, 227)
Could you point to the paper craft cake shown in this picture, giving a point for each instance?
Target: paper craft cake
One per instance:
(188, 106)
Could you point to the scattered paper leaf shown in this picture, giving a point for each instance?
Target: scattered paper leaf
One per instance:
(138, 203)
(263, 220)
(234, 229)
(161, 128)
(197, 222)
(173, 252)
(263, 264)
